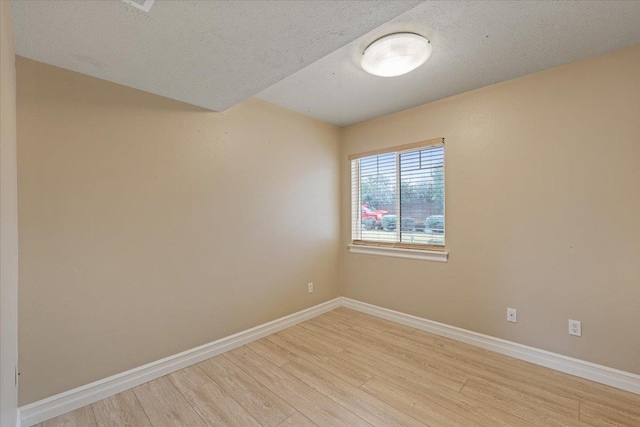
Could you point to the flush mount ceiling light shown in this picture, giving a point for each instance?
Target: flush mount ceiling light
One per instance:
(396, 54)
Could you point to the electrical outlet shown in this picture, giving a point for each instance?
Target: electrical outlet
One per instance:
(512, 315)
(575, 328)
(310, 287)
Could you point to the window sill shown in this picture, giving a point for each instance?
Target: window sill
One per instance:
(400, 253)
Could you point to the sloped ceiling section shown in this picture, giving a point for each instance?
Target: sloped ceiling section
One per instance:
(212, 54)
(475, 44)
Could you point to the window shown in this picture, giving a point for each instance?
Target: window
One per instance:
(397, 197)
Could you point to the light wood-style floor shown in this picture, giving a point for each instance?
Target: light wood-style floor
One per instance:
(346, 368)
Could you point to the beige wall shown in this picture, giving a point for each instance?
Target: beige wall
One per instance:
(8, 222)
(149, 227)
(543, 211)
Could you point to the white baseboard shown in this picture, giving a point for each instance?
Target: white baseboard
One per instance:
(580, 368)
(62, 403)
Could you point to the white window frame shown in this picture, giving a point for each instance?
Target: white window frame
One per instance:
(394, 249)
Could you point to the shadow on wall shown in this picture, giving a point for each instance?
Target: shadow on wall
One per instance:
(99, 93)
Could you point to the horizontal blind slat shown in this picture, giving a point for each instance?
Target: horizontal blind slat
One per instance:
(413, 145)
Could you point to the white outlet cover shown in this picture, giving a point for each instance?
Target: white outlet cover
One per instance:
(575, 328)
(310, 287)
(512, 315)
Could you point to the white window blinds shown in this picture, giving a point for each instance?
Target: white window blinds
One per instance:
(397, 196)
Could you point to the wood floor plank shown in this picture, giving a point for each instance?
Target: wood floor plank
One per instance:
(82, 417)
(478, 412)
(378, 363)
(532, 395)
(298, 420)
(367, 407)
(598, 415)
(272, 352)
(217, 408)
(511, 380)
(590, 392)
(520, 378)
(318, 340)
(457, 348)
(189, 378)
(332, 335)
(409, 367)
(518, 404)
(400, 351)
(123, 409)
(338, 323)
(306, 349)
(559, 383)
(265, 406)
(445, 397)
(350, 318)
(165, 405)
(309, 402)
(399, 328)
(296, 346)
(327, 322)
(345, 370)
(301, 345)
(367, 319)
(431, 414)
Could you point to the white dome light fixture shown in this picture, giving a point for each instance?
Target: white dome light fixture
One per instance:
(396, 54)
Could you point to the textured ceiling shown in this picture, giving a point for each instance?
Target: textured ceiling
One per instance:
(304, 55)
(475, 44)
(213, 54)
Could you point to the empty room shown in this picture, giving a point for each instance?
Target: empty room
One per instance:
(319, 213)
